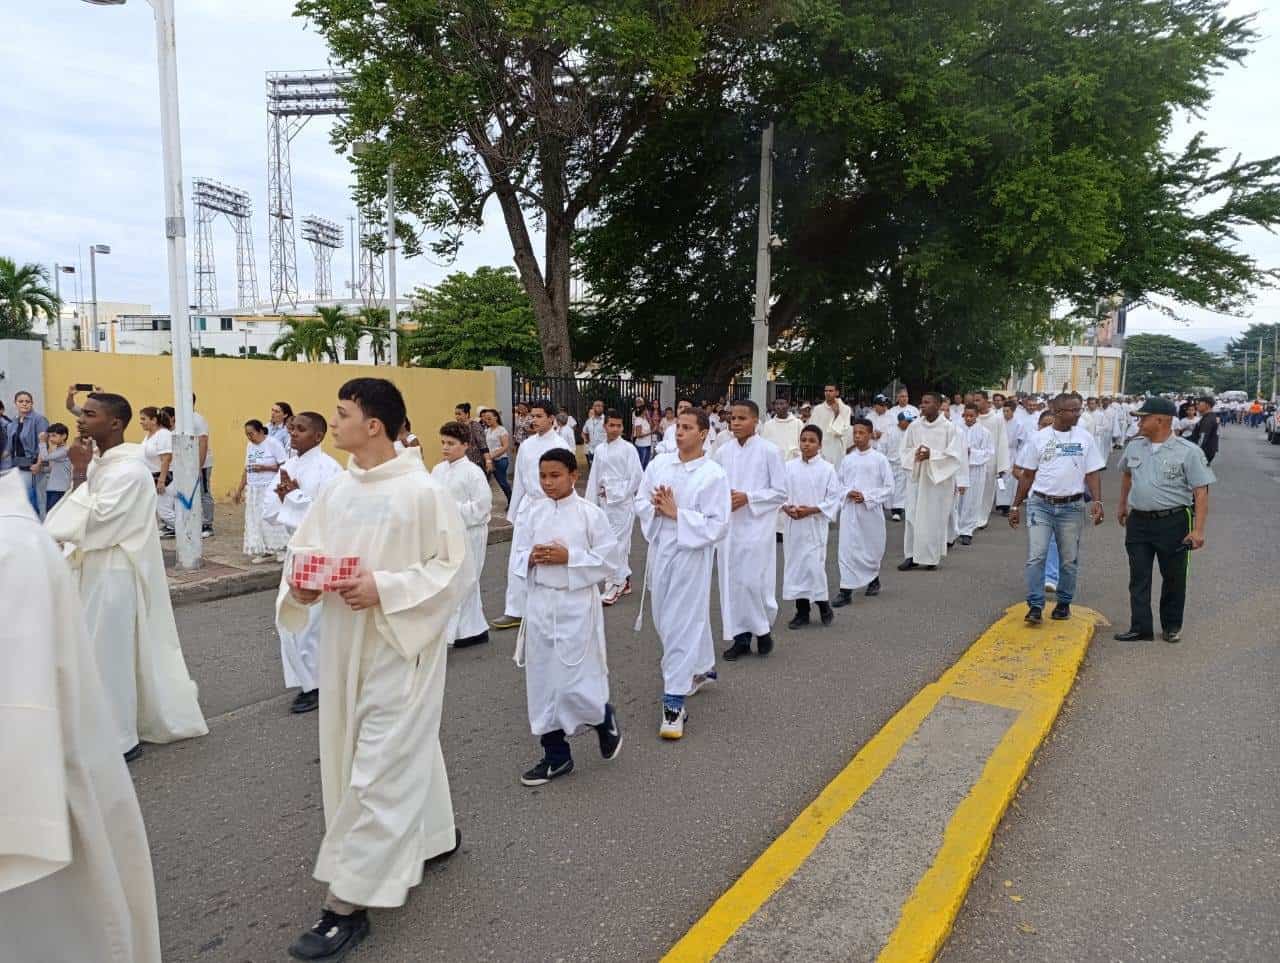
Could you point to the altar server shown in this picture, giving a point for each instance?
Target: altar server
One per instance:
(975, 502)
(866, 485)
(934, 449)
(833, 416)
(470, 488)
(612, 485)
(813, 503)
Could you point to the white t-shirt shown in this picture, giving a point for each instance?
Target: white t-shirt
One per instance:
(494, 438)
(641, 431)
(1060, 460)
(267, 451)
(201, 427)
(155, 445)
(566, 432)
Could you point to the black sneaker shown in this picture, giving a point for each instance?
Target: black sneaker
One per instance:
(741, 646)
(764, 644)
(545, 771)
(133, 753)
(306, 702)
(1034, 615)
(333, 936)
(1061, 611)
(843, 597)
(874, 587)
(1133, 635)
(825, 613)
(799, 622)
(609, 733)
(896, 517)
(480, 639)
(906, 565)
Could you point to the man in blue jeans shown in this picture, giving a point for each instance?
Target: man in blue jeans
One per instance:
(1059, 462)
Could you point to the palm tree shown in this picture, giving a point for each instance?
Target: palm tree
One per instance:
(304, 337)
(376, 325)
(342, 331)
(24, 294)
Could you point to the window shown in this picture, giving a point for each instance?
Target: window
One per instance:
(240, 350)
(352, 353)
(202, 324)
(253, 349)
(224, 324)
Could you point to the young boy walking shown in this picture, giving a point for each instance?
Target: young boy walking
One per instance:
(612, 485)
(469, 487)
(563, 549)
(866, 484)
(813, 502)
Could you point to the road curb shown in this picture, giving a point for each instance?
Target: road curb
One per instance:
(1025, 670)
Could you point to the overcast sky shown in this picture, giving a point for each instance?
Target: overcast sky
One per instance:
(79, 106)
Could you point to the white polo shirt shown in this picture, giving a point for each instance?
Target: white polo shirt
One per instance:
(1060, 460)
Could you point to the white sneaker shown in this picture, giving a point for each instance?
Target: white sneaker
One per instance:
(673, 723)
(701, 681)
(260, 559)
(1051, 587)
(611, 595)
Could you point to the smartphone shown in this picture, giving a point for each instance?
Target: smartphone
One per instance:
(83, 387)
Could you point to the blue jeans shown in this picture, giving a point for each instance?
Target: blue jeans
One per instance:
(1051, 563)
(500, 466)
(51, 499)
(643, 451)
(1047, 524)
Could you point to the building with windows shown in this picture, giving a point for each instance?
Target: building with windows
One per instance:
(1093, 371)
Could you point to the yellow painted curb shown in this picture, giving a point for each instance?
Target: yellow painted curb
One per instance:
(1012, 665)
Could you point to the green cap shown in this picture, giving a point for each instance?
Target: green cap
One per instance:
(1157, 406)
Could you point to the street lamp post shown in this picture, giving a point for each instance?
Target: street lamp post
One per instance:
(392, 312)
(765, 242)
(94, 250)
(186, 472)
(58, 271)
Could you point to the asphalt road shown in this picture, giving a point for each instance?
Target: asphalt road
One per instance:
(616, 861)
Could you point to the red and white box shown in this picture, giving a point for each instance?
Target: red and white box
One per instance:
(317, 572)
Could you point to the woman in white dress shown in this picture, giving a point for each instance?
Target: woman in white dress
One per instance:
(157, 452)
(263, 456)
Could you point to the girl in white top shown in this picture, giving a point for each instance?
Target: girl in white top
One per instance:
(498, 440)
(157, 452)
(263, 456)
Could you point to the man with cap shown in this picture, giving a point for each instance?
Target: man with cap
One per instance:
(1164, 504)
(882, 425)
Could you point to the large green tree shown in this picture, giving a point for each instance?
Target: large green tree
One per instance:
(945, 174)
(529, 102)
(471, 320)
(1157, 363)
(1256, 336)
(24, 295)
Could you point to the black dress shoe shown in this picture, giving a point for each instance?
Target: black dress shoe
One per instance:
(764, 644)
(906, 565)
(470, 640)
(306, 702)
(799, 622)
(332, 937)
(930, 568)
(1173, 635)
(1061, 611)
(133, 753)
(951, 544)
(825, 613)
(1134, 636)
(966, 539)
(441, 857)
(873, 589)
(741, 646)
(843, 598)
(1033, 616)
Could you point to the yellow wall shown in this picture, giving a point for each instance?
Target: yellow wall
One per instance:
(230, 391)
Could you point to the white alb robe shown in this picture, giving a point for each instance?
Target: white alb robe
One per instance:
(1013, 435)
(525, 490)
(387, 806)
(975, 503)
(748, 558)
(470, 488)
(998, 464)
(612, 486)
(862, 526)
(678, 566)
(931, 487)
(561, 644)
(299, 651)
(109, 526)
(810, 483)
(837, 429)
(887, 425)
(901, 470)
(785, 435)
(75, 869)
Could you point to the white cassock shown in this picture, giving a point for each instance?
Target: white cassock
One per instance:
(668, 443)
(804, 540)
(386, 792)
(785, 435)
(862, 526)
(901, 469)
(911, 412)
(612, 486)
(956, 414)
(931, 487)
(748, 557)
(678, 566)
(1012, 439)
(885, 424)
(526, 489)
(299, 650)
(1100, 430)
(469, 486)
(975, 503)
(837, 430)
(75, 869)
(561, 643)
(108, 525)
(999, 462)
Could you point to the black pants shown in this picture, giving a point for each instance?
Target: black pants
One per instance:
(1159, 540)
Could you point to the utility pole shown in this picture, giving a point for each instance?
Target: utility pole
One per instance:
(351, 234)
(764, 244)
(392, 317)
(1257, 393)
(1275, 358)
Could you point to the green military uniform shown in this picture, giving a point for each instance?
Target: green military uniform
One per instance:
(1163, 480)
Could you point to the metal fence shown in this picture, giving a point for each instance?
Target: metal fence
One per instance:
(577, 394)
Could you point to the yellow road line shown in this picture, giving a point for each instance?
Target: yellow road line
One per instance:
(1011, 665)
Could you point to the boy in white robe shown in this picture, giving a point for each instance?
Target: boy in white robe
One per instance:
(783, 429)
(813, 502)
(75, 869)
(748, 559)
(563, 550)
(981, 448)
(901, 467)
(612, 486)
(383, 643)
(295, 487)
(683, 509)
(525, 488)
(108, 521)
(883, 425)
(1013, 435)
(833, 416)
(996, 470)
(470, 488)
(866, 484)
(934, 449)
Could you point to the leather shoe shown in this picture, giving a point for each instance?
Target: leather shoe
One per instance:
(764, 644)
(873, 587)
(906, 565)
(738, 649)
(799, 622)
(1134, 636)
(844, 598)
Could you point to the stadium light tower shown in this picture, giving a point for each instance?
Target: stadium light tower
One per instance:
(186, 473)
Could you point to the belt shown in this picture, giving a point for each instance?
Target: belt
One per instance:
(1059, 499)
(1161, 513)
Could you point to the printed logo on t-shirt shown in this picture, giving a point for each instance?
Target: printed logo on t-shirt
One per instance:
(1061, 449)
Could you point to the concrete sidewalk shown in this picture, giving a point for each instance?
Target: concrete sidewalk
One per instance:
(228, 572)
